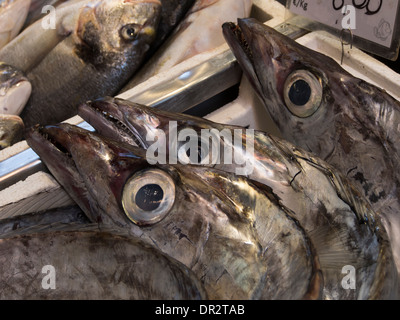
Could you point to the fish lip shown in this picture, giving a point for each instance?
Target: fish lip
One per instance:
(104, 115)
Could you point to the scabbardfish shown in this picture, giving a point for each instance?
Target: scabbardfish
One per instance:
(59, 254)
(322, 108)
(222, 225)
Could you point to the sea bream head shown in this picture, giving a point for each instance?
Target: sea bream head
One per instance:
(234, 235)
(116, 32)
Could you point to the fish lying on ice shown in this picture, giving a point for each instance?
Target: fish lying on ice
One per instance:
(11, 130)
(198, 32)
(94, 48)
(233, 233)
(321, 108)
(15, 90)
(59, 254)
(12, 17)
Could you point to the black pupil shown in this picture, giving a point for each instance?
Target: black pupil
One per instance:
(149, 197)
(130, 32)
(300, 93)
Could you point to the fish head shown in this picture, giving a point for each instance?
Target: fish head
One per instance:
(210, 220)
(137, 124)
(11, 130)
(116, 31)
(297, 85)
(15, 90)
(102, 174)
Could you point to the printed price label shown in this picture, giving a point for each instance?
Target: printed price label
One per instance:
(373, 20)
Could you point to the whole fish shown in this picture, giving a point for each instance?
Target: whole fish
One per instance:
(233, 233)
(320, 107)
(31, 266)
(11, 130)
(15, 90)
(186, 40)
(93, 49)
(12, 17)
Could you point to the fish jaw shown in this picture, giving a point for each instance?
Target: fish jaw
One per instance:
(236, 40)
(110, 120)
(83, 163)
(59, 162)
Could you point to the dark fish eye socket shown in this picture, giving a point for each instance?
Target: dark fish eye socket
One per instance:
(302, 93)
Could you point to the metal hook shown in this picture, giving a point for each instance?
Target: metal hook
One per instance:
(342, 42)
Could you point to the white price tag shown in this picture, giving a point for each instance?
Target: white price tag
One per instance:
(373, 20)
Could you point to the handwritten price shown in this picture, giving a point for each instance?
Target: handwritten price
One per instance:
(365, 4)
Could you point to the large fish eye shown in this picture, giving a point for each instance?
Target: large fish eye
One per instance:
(302, 93)
(129, 32)
(148, 196)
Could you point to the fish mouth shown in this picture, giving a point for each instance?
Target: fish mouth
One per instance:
(262, 53)
(245, 40)
(53, 145)
(109, 120)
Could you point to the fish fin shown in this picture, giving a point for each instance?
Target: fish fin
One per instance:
(333, 251)
(345, 191)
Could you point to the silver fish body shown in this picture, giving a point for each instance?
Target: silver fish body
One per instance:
(321, 108)
(94, 48)
(12, 17)
(15, 90)
(61, 255)
(223, 226)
